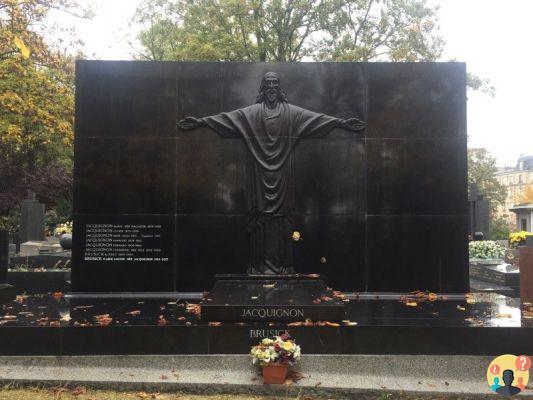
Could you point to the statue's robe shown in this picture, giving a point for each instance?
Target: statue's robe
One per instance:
(270, 136)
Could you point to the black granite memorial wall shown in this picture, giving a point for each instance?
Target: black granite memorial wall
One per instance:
(160, 209)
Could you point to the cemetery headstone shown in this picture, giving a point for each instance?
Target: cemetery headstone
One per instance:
(160, 208)
(479, 209)
(31, 219)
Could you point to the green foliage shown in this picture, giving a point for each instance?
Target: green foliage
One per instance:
(485, 249)
(10, 221)
(59, 214)
(289, 30)
(482, 173)
(370, 30)
(499, 229)
(475, 82)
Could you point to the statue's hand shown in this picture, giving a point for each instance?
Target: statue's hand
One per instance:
(354, 124)
(189, 123)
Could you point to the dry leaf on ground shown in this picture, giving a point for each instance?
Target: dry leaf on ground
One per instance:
(103, 320)
(297, 323)
(503, 315)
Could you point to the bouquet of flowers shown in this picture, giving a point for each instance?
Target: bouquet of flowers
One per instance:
(280, 350)
(485, 249)
(63, 228)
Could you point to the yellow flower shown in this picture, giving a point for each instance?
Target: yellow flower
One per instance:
(267, 341)
(288, 346)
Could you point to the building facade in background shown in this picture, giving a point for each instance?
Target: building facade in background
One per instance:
(515, 180)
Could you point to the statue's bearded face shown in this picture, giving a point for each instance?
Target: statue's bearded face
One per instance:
(271, 88)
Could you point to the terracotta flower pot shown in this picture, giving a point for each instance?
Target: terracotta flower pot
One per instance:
(275, 373)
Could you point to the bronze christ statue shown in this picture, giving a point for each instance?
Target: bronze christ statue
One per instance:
(271, 128)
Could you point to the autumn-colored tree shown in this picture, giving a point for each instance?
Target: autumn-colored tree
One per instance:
(526, 196)
(36, 105)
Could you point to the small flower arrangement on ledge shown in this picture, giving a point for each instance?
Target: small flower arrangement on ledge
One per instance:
(486, 249)
(275, 356)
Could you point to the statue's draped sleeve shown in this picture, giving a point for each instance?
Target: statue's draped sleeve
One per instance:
(311, 124)
(234, 124)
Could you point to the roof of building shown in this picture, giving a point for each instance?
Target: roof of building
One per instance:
(524, 163)
(522, 207)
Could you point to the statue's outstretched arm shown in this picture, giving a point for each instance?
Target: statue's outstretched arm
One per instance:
(353, 124)
(226, 124)
(189, 123)
(312, 124)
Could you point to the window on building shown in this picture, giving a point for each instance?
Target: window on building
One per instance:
(523, 224)
(520, 178)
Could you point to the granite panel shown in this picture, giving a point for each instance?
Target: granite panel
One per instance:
(125, 176)
(125, 99)
(416, 100)
(407, 253)
(207, 245)
(416, 177)
(332, 246)
(212, 174)
(330, 176)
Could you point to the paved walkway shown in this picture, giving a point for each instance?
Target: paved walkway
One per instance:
(462, 376)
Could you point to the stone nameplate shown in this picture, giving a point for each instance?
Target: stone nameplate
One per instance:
(268, 313)
(124, 242)
(273, 313)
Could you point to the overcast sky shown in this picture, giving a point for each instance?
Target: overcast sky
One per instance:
(493, 37)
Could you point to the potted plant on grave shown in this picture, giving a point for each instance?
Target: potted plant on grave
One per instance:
(275, 356)
(516, 240)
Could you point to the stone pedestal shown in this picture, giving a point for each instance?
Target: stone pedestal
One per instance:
(241, 298)
(526, 274)
(501, 274)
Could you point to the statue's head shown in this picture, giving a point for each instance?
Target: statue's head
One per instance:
(270, 89)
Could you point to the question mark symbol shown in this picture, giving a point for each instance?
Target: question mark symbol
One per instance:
(523, 363)
(495, 369)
